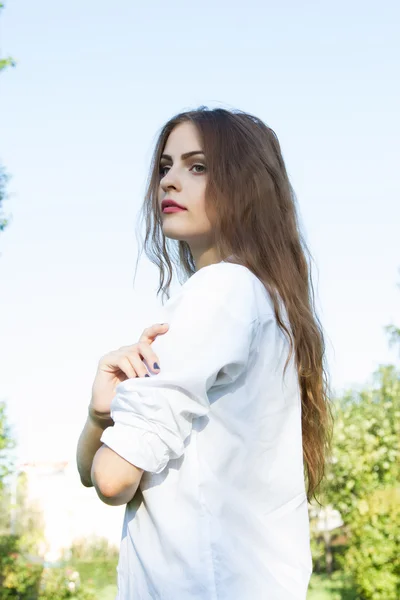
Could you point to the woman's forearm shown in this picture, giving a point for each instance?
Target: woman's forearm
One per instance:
(88, 444)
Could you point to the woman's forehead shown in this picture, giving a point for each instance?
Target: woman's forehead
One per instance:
(183, 138)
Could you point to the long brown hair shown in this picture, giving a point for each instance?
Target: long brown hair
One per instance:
(252, 206)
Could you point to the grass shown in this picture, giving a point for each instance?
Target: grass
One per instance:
(330, 588)
(107, 593)
(321, 588)
(102, 576)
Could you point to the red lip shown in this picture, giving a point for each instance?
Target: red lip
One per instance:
(167, 202)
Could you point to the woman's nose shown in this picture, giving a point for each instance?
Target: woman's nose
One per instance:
(170, 180)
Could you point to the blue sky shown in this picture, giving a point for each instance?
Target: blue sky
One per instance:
(79, 115)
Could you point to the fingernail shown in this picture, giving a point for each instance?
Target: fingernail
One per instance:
(156, 366)
(147, 375)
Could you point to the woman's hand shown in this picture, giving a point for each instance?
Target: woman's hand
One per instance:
(122, 364)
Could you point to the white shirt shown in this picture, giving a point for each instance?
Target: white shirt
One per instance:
(221, 511)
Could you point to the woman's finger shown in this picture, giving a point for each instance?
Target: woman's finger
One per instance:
(139, 366)
(150, 333)
(144, 350)
(125, 365)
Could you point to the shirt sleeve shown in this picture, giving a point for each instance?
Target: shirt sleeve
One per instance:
(207, 344)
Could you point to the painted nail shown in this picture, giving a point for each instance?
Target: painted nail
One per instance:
(156, 366)
(147, 375)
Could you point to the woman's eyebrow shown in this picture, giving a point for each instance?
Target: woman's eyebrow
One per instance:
(184, 156)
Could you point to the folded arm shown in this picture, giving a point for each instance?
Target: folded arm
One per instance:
(209, 339)
(115, 479)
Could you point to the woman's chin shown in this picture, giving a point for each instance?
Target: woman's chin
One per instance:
(174, 230)
(173, 233)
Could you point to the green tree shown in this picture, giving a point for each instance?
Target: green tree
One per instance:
(373, 557)
(8, 61)
(93, 548)
(363, 484)
(4, 63)
(6, 445)
(3, 195)
(366, 450)
(393, 333)
(21, 527)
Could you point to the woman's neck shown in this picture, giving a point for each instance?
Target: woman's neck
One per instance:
(205, 258)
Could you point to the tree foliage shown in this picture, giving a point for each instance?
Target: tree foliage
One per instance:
(373, 557)
(93, 548)
(365, 450)
(363, 484)
(3, 195)
(22, 571)
(8, 61)
(6, 445)
(4, 63)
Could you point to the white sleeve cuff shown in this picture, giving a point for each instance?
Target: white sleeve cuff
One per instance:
(143, 449)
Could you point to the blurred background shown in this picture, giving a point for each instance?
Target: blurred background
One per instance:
(84, 89)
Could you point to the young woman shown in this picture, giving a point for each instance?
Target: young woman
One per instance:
(216, 453)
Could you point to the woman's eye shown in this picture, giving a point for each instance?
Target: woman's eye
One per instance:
(199, 167)
(162, 170)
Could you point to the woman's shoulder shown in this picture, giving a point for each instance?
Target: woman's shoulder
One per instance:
(231, 283)
(222, 274)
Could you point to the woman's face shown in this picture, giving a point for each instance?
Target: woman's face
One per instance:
(183, 179)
